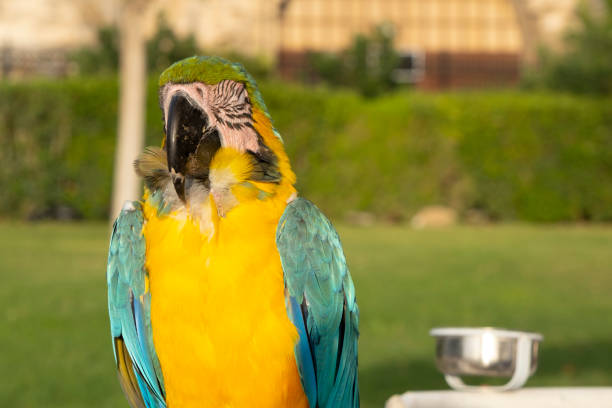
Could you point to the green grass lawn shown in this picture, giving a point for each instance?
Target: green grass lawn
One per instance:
(56, 351)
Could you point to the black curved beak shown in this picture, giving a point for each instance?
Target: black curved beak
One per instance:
(185, 126)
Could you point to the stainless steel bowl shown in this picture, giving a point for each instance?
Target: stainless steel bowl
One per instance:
(485, 351)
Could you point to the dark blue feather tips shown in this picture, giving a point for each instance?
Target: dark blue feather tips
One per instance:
(321, 304)
(129, 306)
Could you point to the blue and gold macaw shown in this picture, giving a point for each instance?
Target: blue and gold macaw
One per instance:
(225, 289)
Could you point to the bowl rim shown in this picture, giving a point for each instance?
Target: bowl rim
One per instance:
(440, 332)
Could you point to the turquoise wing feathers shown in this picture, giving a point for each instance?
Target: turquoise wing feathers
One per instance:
(129, 307)
(320, 300)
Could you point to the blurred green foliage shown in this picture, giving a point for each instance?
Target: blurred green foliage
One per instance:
(586, 65)
(163, 48)
(509, 155)
(103, 58)
(367, 65)
(58, 141)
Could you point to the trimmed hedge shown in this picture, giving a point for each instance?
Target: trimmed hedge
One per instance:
(510, 155)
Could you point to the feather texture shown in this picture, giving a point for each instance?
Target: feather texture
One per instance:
(129, 310)
(225, 333)
(320, 299)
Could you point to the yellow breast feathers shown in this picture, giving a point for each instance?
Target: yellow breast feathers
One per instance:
(220, 326)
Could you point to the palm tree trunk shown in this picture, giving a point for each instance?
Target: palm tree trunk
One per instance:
(130, 136)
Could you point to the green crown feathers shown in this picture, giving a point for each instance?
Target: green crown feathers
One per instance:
(212, 70)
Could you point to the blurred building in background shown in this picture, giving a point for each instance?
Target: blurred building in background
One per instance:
(35, 35)
(442, 43)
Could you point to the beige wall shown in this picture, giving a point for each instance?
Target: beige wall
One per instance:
(245, 25)
(552, 17)
(428, 25)
(42, 24)
(252, 26)
(249, 26)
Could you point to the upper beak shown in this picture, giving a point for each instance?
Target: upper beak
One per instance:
(185, 126)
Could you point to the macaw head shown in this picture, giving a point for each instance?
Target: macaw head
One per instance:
(219, 138)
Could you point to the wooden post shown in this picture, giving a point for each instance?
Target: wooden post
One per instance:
(132, 94)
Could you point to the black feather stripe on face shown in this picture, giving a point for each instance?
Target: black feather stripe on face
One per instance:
(232, 108)
(208, 118)
(231, 105)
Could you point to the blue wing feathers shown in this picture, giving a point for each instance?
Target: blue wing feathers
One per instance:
(320, 302)
(129, 311)
(317, 278)
(303, 351)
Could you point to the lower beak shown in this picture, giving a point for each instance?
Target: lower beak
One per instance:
(178, 180)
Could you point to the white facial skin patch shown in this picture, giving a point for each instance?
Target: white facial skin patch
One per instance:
(228, 109)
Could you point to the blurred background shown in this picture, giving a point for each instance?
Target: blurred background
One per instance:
(463, 148)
